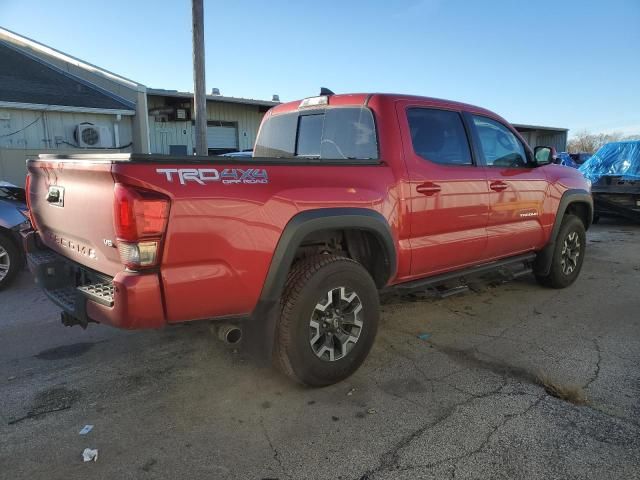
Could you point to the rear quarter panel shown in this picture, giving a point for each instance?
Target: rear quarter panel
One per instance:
(221, 237)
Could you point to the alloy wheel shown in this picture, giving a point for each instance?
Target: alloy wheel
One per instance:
(570, 253)
(336, 324)
(5, 263)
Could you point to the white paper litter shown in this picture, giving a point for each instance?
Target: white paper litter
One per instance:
(90, 454)
(86, 429)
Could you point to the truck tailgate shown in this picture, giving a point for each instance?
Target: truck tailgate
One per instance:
(72, 208)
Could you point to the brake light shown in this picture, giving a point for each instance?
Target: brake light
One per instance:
(27, 188)
(314, 101)
(140, 218)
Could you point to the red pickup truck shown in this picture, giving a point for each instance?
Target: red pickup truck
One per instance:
(345, 195)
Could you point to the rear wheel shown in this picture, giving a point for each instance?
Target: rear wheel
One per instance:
(328, 322)
(9, 261)
(568, 255)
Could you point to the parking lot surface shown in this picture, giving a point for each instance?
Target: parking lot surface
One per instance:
(462, 387)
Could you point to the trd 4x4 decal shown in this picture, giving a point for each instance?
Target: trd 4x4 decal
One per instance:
(226, 176)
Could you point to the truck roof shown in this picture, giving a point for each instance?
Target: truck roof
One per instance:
(357, 99)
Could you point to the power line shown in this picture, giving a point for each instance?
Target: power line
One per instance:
(23, 128)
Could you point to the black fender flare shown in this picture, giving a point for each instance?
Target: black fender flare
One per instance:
(543, 261)
(260, 328)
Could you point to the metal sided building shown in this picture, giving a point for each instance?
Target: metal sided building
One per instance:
(232, 123)
(51, 102)
(547, 136)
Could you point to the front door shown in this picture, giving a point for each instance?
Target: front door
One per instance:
(517, 189)
(449, 200)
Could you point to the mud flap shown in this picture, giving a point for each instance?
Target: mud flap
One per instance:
(260, 329)
(542, 263)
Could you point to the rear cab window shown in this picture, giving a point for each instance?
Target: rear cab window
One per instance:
(332, 133)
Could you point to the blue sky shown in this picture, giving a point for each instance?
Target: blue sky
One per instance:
(572, 63)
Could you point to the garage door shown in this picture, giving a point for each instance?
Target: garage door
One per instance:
(222, 137)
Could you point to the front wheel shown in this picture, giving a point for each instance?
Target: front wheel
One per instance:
(329, 319)
(10, 261)
(568, 255)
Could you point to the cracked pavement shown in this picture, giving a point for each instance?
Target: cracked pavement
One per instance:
(466, 403)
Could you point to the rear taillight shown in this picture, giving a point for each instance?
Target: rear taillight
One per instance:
(139, 254)
(27, 188)
(140, 218)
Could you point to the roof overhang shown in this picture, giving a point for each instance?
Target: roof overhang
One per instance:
(23, 41)
(521, 126)
(64, 108)
(213, 98)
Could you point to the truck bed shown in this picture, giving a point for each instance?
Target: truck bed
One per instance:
(226, 217)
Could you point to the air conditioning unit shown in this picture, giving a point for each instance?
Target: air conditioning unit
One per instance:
(88, 135)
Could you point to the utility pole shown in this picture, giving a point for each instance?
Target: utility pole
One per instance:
(199, 87)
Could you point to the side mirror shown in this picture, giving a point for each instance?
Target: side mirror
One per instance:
(544, 155)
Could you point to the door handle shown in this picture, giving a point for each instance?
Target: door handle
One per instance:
(428, 188)
(498, 186)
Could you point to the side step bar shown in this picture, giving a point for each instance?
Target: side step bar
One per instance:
(438, 280)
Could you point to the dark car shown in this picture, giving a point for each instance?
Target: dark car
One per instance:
(563, 158)
(580, 158)
(13, 218)
(573, 160)
(614, 171)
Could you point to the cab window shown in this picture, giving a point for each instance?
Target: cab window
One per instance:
(439, 136)
(499, 146)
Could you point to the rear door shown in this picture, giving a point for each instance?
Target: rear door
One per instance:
(449, 200)
(72, 205)
(517, 189)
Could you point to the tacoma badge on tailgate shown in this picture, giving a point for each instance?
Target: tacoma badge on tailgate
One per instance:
(71, 245)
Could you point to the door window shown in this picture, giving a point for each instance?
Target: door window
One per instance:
(439, 136)
(499, 145)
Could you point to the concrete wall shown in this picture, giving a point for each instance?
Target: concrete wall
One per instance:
(163, 134)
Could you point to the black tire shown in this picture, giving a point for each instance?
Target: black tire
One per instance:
(309, 282)
(559, 275)
(11, 256)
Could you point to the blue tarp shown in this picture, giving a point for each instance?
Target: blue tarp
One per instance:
(617, 158)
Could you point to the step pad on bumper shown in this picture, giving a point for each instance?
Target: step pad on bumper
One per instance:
(66, 297)
(99, 292)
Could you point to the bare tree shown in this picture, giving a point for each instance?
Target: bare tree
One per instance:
(587, 142)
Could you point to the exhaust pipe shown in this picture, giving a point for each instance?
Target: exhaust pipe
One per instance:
(230, 334)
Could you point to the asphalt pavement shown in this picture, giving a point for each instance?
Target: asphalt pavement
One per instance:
(509, 380)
